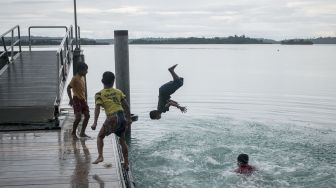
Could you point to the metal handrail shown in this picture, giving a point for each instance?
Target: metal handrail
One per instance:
(64, 57)
(13, 43)
(43, 27)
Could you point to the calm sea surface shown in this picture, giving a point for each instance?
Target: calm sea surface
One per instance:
(276, 103)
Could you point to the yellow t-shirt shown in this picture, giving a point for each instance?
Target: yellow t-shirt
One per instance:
(78, 86)
(110, 100)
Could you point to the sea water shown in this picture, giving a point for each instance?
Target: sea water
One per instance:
(276, 103)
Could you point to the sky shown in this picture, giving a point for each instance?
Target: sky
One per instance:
(272, 19)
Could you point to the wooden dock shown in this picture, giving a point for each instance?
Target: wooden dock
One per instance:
(53, 159)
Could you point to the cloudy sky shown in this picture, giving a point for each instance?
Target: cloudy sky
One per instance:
(274, 19)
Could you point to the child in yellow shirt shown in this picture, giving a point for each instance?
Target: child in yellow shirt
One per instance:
(116, 108)
(78, 100)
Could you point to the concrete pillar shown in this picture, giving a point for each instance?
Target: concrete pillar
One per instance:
(122, 67)
(122, 62)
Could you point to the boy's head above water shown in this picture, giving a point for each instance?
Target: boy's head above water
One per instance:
(242, 159)
(108, 78)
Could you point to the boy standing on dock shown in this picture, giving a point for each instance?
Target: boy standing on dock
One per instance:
(78, 101)
(116, 107)
(165, 91)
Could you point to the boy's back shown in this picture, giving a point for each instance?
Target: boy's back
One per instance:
(245, 169)
(110, 99)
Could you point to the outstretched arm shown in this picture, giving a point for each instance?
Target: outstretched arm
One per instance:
(96, 115)
(177, 105)
(69, 95)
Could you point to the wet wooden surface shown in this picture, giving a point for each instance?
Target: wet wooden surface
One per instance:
(54, 159)
(30, 80)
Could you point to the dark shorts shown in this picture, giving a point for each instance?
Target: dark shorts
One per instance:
(80, 106)
(170, 87)
(115, 123)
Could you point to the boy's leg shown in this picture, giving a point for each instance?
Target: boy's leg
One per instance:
(77, 107)
(78, 117)
(124, 148)
(172, 72)
(100, 146)
(85, 122)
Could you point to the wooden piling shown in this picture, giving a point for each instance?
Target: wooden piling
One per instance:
(122, 64)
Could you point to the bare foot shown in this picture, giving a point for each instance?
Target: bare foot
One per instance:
(74, 136)
(98, 160)
(172, 68)
(84, 135)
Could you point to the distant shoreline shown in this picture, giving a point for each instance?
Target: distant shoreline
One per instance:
(36, 40)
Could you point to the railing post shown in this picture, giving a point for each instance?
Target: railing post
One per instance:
(79, 38)
(58, 79)
(75, 12)
(71, 39)
(5, 48)
(19, 36)
(29, 39)
(12, 46)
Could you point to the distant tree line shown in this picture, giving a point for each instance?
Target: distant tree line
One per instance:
(189, 40)
(324, 40)
(297, 41)
(195, 40)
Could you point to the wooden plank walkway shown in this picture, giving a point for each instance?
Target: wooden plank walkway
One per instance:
(28, 88)
(53, 159)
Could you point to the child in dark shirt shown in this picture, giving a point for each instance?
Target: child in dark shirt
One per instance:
(164, 95)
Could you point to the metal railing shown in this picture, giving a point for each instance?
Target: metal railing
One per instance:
(64, 57)
(12, 44)
(43, 27)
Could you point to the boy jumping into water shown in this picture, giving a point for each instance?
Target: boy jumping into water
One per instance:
(115, 105)
(243, 166)
(78, 100)
(164, 95)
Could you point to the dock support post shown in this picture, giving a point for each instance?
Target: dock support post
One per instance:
(122, 65)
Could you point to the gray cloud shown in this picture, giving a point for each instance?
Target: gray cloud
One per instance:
(158, 18)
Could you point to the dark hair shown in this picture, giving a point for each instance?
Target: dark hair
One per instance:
(153, 114)
(243, 158)
(82, 67)
(108, 78)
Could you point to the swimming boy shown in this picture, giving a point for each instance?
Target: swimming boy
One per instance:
(243, 166)
(164, 95)
(78, 101)
(116, 107)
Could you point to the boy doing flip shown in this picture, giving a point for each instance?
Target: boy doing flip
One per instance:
(164, 95)
(116, 107)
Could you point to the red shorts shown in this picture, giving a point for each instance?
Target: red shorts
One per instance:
(80, 106)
